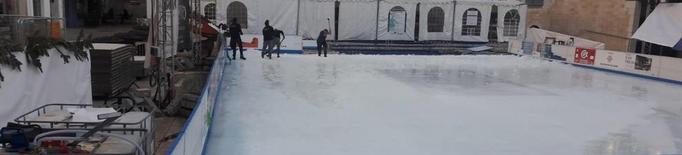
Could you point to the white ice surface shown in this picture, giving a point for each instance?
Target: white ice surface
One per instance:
(437, 105)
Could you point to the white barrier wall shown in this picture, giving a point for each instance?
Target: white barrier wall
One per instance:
(25, 90)
(192, 138)
(291, 43)
(641, 64)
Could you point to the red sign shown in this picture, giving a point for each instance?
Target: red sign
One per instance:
(584, 56)
(252, 44)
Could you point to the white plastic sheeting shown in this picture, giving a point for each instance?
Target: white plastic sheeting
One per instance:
(358, 19)
(541, 36)
(25, 90)
(424, 34)
(314, 15)
(281, 13)
(484, 9)
(384, 9)
(502, 11)
(663, 26)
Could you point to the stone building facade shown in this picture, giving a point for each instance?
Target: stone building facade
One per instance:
(609, 21)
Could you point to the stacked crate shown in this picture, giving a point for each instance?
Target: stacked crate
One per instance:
(111, 71)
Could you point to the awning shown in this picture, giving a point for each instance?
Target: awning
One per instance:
(663, 26)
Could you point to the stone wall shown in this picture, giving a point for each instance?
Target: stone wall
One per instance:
(607, 21)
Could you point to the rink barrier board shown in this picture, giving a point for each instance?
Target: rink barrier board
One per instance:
(653, 67)
(291, 44)
(628, 73)
(193, 137)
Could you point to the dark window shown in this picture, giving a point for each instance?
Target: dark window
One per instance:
(511, 23)
(397, 19)
(2, 8)
(238, 10)
(471, 23)
(209, 11)
(37, 8)
(436, 20)
(535, 3)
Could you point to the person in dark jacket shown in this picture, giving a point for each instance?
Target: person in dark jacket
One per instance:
(236, 39)
(268, 37)
(322, 42)
(278, 38)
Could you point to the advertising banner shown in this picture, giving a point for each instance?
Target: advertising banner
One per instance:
(629, 62)
(585, 56)
(611, 59)
(641, 63)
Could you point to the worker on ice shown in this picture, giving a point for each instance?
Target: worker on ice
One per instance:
(268, 37)
(322, 42)
(236, 39)
(278, 38)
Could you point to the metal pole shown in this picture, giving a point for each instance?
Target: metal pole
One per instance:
(376, 37)
(298, 16)
(454, 8)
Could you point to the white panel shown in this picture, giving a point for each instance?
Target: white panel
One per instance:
(663, 26)
(357, 20)
(316, 16)
(25, 90)
(384, 9)
(290, 43)
(460, 10)
(540, 36)
(564, 52)
(281, 13)
(670, 68)
(502, 11)
(447, 25)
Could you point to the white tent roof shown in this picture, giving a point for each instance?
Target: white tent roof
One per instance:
(663, 26)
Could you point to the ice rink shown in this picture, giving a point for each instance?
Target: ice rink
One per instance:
(438, 105)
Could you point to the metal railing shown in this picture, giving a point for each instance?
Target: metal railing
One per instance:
(19, 28)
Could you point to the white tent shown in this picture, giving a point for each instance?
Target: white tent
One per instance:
(663, 26)
(435, 7)
(378, 19)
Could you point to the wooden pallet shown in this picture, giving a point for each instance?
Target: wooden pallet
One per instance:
(111, 70)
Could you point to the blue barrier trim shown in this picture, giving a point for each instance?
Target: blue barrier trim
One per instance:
(286, 51)
(612, 71)
(215, 102)
(629, 74)
(191, 116)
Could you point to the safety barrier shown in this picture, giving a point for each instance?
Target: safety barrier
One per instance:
(192, 138)
(649, 66)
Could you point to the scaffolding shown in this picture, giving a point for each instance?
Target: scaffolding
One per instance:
(168, 43)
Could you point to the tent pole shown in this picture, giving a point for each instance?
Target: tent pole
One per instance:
(454, 6)
(376, 37)
(298, 15)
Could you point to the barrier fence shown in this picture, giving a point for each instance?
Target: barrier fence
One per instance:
(658, 67)
(192, 138)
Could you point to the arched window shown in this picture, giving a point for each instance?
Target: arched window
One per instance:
(436, 20)
(471, 23)
(397, 18)
(511, 23)
(209, 11)
(237, 10)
